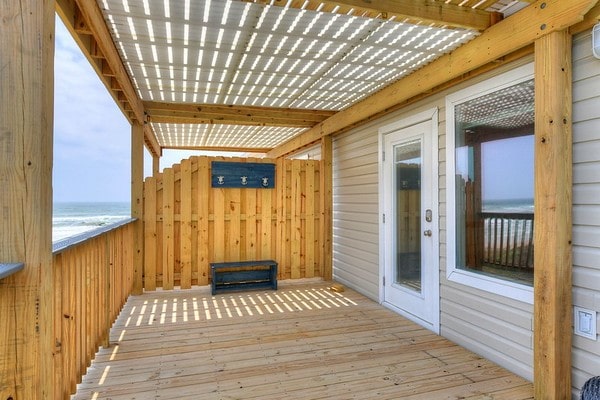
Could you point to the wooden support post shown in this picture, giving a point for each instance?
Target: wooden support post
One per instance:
(553, 204)
(155, 165)
(28, 341)
(326, 190)
(137, 203)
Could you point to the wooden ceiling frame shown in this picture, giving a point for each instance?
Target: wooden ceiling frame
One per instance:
(160, 112)
(85, 21)
(424, 12)
(529, 24)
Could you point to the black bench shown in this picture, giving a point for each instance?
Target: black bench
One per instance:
(227, 276)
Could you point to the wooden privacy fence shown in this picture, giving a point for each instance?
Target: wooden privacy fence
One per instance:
(188, 223)
(92, 281)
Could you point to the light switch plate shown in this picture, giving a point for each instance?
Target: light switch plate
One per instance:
(585, 322)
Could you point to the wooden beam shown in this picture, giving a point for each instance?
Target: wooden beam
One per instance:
(151, 141)
(591, 18)
(234, 115)
(84, 18)
(518, 31)
(27, 337)
(424, 11)
(137, 204)
(221, 149)
(326, 220)
(155, 165)
(553, 221)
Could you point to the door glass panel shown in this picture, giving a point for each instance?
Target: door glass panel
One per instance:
(407, 163)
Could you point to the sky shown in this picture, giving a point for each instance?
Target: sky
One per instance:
(92, 137)
(508, 168)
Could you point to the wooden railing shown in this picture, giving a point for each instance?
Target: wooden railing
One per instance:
(508, 239)
(93, 277)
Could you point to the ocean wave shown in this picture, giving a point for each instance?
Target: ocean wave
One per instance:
(99, 220)
(74, 218)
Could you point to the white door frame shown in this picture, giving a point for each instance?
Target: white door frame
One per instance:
(428, 115)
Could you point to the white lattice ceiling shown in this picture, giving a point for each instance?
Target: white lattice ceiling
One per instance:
(241, 53)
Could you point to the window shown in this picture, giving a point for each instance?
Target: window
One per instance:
(490, 184)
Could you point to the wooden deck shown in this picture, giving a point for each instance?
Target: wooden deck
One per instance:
(300, 342)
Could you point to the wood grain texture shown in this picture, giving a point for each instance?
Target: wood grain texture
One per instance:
(326, 220)
(302, 341)
(553, 220)
(206, 224)
(137, 201)
(27, 334)
(185, 227)
(93, 280)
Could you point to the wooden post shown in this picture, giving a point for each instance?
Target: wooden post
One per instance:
(155, 165)
(553, 204)
(326, 190)
(137, 203)
(27, 338)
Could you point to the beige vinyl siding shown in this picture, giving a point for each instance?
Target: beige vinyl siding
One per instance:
(311, 153)
(355, 211)
(586, 202)
(496, 327)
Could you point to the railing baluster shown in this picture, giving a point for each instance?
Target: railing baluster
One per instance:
(91, 266)
(509, 241)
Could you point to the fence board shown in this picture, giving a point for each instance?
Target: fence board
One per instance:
(250, 225)
(234, 231)
(168, 259)
(150, 234)
(309, 229)
(86, 301)
(280, 235)
(266, 222)
(186, 225)
(219, 225)
(193, 224)
(296, 204)
(203, 207)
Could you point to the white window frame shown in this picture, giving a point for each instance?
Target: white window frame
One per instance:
(487, 283)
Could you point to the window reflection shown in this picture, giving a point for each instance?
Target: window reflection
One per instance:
(494, 183)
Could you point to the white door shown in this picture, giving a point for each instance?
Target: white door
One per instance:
(410, 283)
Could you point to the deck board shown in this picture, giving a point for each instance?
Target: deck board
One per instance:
(300, 342)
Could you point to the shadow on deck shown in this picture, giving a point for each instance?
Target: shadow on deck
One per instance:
(300, 342)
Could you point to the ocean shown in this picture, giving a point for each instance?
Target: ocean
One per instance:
(73, 218)
(508, 205)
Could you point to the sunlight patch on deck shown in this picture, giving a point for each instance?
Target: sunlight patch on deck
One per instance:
(309, 343)
(177, 310)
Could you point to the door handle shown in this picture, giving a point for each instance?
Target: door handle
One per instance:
(427, 232)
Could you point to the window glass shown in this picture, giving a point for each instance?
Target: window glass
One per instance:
(494, 151)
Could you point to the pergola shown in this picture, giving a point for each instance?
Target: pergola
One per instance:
(270, 77)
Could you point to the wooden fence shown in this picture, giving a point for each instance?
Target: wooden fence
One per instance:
(92, 281)
(188, 224)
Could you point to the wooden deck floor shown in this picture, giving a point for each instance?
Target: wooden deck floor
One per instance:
(300, 342)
